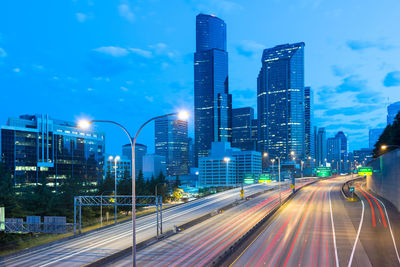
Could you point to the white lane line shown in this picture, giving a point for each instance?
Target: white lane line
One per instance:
(358, 234)
(390, 228)
(333, 228)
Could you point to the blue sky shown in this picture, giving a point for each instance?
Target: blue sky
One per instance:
(131, 60)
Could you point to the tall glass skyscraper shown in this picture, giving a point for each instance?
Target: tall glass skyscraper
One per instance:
(280, 101)
(242, 119)
(212, 101)
(171, 141)
(308, 119)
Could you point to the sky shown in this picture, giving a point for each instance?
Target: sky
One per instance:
(129, 61)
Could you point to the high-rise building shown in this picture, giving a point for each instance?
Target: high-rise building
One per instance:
(392, 111)
(362, 156)
(34, 147)
(308, 119)
(333, 152)
(212, 101)
(320, 146)
(171, 141)
(122, 166)
(242, 128)
(153, 165)
(374, 135)
(254, 133)
(190, 153)
(140, 151)
(280, 102)
(343, 150)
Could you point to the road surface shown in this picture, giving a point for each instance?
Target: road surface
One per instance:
(201, 244)
(98, 244)
(314, 229)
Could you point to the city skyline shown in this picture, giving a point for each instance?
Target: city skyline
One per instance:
(338, 66)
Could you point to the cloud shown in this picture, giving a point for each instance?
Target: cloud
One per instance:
(362, 45)
(150, 98)
(112, 51)
(2, 52)
(249, 48)
(351, 84)
(141, 52)
(227, 6)
(123, 88)
(81, 17)
(125, 12)
(17, 70)
(392, 79)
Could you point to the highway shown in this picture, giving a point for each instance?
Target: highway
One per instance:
(201, 244)
(98, 244)
(314, 229)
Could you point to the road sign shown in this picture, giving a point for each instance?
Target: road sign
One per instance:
(242, 193)
(351, 189)
(248, 178)
(2, 219)
(323, 171)
(264, 178)
(365, 171)
(292, 186)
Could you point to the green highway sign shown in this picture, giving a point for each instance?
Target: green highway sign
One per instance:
(365, 171)
(248, 178)
(264, 178)
(2, 219)
(323, 171)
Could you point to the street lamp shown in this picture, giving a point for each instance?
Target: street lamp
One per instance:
(264, 162)
(164, 184)
(226, 159)
(182, 115)
(301, 162)
(115, 185)
(384, 147)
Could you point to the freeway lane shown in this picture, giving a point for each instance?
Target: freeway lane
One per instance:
(201, 244)
(312, 230)
(377, 233)
(93, 246)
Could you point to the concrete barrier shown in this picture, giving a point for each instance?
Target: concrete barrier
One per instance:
(385, 181)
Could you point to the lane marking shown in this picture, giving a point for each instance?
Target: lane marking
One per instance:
(333, 228)
(358, 234)
(391, 232)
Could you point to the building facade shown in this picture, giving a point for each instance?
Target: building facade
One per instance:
(308, 121)
(320, 146)
(153, 165)
(121, 167)
(171, 142)
(374, 135)
(280, 102)
(392, 111)
(140, 151)
(212, 101)
(333, 153)
(226, 166)
(242, 128)
(34, 147)
(362, 156)
(344, 150)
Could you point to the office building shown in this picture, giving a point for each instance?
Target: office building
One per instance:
(242, 128)
(171, 141)
(226, 166)
(190, 153)
(153, 165)
(140, 151)
(320, 146)
(254, 133)
(36, 146)
(212, 101)
(374, 135)
(280, 102)
(392, 111)
(362, 156)
(122, 166)
(334, 153)
(343, 150)
(308, 117)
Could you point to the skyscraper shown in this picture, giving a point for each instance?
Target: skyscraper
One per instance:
(392, 111)
(242, 119)
(333, 152)
(171, 141)
(140, 151)
(280, 101)
(374, 135)
(343, 149)
(212, 101)
(320, 146)
(308, 118)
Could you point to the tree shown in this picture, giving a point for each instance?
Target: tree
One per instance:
(389, 137)
(177, 182)
(140, 184)
(107, 185)
(8, 197)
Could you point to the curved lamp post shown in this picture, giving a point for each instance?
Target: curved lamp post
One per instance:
(182, 115)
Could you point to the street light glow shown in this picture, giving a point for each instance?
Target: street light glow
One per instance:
(183, 115)
(383, 147)
(265, 154)
(84, 124)
(110, 158)
(226, 159)
(117, 158)
(292, 153)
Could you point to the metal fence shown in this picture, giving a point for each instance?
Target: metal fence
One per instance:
(33, 224)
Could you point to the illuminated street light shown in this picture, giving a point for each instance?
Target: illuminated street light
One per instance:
(85, 124)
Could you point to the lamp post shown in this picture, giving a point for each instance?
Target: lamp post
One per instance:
(264, 161)
(101, 208)
(279, 177)
(226, 159)
(115, 185)
(164, 184)
(183, 115)
(273, 167)
(293, 179)
(301, 162)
